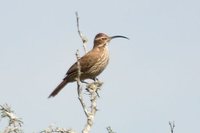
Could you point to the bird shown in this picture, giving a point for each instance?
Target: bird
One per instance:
(91, 64)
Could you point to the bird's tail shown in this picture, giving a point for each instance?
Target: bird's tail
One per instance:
(58, 88)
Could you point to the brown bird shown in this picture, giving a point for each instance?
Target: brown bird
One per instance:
(91, 64)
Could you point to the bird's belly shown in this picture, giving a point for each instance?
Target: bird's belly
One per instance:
(98, 68)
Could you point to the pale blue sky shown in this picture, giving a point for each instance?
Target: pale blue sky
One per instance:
(153, 78)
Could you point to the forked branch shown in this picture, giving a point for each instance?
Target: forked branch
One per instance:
(92, 88)
(172, 126)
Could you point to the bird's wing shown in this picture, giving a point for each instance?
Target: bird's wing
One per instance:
(86, 62)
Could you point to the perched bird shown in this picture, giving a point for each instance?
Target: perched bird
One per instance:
(91, 64)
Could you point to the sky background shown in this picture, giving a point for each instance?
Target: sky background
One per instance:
(151, 79)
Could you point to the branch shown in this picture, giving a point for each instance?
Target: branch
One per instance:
(172, 126)
(83, 38)
(92, 88)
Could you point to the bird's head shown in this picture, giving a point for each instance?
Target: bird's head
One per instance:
(102, 39)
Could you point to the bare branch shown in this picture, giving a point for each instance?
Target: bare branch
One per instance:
(83, 38)
(92, 88)
(172, 126)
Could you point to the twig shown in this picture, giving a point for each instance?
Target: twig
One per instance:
(172, 126)
(83, 38)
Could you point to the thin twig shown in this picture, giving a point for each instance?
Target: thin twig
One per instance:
(83, 38)
(172, 126)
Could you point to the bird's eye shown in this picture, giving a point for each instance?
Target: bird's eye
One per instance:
(104, 39)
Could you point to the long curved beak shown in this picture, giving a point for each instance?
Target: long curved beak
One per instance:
(118, 36)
